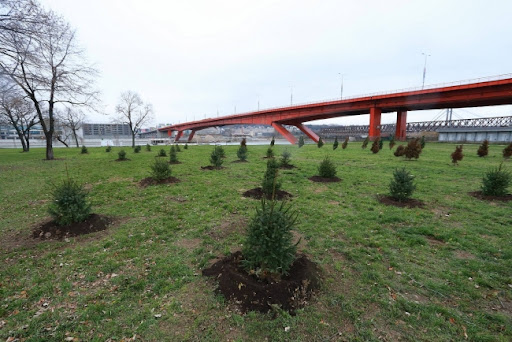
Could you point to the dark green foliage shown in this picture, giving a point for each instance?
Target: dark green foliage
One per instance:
(270, 184)
(365, 143)
(241, 153)
(148, 147)
(243, 143)
(173, 157)
(381, 143)
(402, 185)
(507, 151)
(269, 250)
(400, 151)
(496, 182)
(345, 143)
(392, 142)
(69, 204)
(301, 141)
(136, 149)
(375, 146)
(270, 153)
(457, 155)
(84, 150)
(216, 158)
(272, 142)
(327, 169)
(335, 145)
(413, 149)
(285, 158)
(320, 143)
(160, 170)
(186, 146)
(178, 149)
(220, 151)
(483, 150)
(108, 149)
(121, 155)
(162, 153)
(422, 142)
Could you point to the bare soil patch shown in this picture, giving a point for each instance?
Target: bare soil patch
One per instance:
(319, 179)
(175, 163)
(150, 181)
(292, 292)
(464, 255)
(408, 203)
(210, 167)
(434, 242)
(122, 160)
(239, 161)
(51, 230)
(287, 167)
(257, 193)
(479, 195)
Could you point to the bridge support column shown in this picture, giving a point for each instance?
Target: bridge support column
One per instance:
(374, 132)
(312, 135)
(169, 133)
(284, 132)
(191, 136)
(179, 134)
(401, 125)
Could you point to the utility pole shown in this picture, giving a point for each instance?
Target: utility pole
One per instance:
(291, 95)
(341, 86)
(424, 69)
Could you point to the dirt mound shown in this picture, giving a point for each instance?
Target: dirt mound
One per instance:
(210, 167)
(257, 193)
(319, 179)
(50, 230)
(150, 181)
(287, 167)
(408, 203)
(479, 195)
(292, 292)
(122, 160)
(239, 161)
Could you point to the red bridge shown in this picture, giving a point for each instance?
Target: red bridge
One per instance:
(475, 93)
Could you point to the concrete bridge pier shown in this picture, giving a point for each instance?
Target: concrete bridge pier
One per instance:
(312, 135)
(375, 114)
(401, 125)
(179, 134)
(284, 132)
(191, 136)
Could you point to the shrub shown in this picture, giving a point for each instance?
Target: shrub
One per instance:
(162, 153)
(121, 155)
(216, 158)
(270, 153)
(327, 169)
(177, 147)
(507, 151)
(272, 142)
(375, 146)
(400, 151)
(84, 150)
(136, 149)
(483, 149)
(160, 170)
(220, 151)
(269, 250)
(148, 147)
(270, 184)
(173, 157)
(496, 182)
(345, 143)
(301, 141)
(285, 158)
(402, 185)
(108, 149)
(243, 143)
(241, 153)
(422, 142)
(457, 155)
(69, 203)
(365, 142)
(320, 143)
(392, 142)
(335, 145)
(413, 149)
(186, 146)
(381, 143)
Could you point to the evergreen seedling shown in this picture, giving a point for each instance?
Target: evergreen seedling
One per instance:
(301, 141)
(422, 142)
(173, 157)
(345, 143)
(496, 182)
(413, 149)
(84, 150)
(483, 150)
(457, 155)
(327, 169)
(220, 151)
(272, 142)
(392, 142)
(270, 153)
(402, 185)
(148, 147)
(216, 159)
(335, 145)
(381, 144)
(320, 143)
(270, 184)
(375, 146)
(121, 155)
(400, 151)
(108, 149)
(186, 146)
(136, 149)
(285, 158)
(162, 153)
(69, 203)
(507, 151)
(269, 250)
(160, 170)
(177, 147)
(241, 153)
(365, 143)
(243, 143)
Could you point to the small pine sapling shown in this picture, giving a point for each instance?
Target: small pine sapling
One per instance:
(173, 156)
(121, 155)
(483, 149)
(285, 159)
(162, 153)
(345, 143)
(365, 143)
(375, 146)
(381, 143)
(270, 184)
(272, 142)
(136, 149)
(220, 151)
(69, 203)
(402, 185)
(413, 149)
(507, 151)
(178, 149)
(108, 149)
(335, 144)
(400, 151)
(216, 159)
(186, 146)
(457, 155)
(301, 141)
(160, 170)
(327, 169)
(320, 143)
(422, 142)
(84, 150)
(392, 142)
(241, 153)
(148, 147)
(270, 153)
(243, 143)
(496, 182)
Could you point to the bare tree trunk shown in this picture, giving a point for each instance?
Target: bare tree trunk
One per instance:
(133, 139)
(76, 138)
(49, 148)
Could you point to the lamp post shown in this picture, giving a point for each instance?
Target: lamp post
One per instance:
(341, 85)
(291, 95)
(424, 69)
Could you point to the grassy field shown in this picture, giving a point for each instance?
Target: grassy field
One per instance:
(438, 273)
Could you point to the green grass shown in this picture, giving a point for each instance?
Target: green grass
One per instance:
(432, 274)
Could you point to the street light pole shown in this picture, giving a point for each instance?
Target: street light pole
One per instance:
(291, 95)
(424, 69)
(341, 86)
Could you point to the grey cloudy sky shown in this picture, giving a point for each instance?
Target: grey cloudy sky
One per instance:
(191, 59)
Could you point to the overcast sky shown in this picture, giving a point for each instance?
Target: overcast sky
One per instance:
(192, 59)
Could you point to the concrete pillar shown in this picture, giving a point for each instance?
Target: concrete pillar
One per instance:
(375, 114)
(312, 135)
(179, 134)
(191, 136)
(284, 132)
(401, 125)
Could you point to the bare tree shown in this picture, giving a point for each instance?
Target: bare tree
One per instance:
(71, 120)
(134, 112)
(46, 65)
(15, 111)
